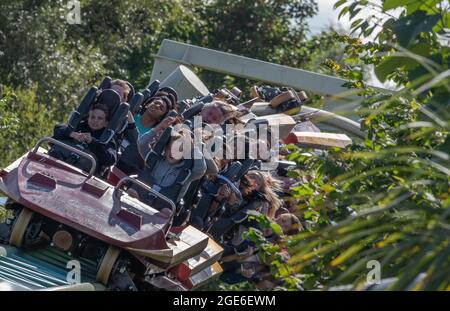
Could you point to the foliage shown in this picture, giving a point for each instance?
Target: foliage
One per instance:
(118, 38)
(387, 198)
(36, 51)
(8, 118)
(280, 25)
(8, 123)
(128, 33)
(28, 126)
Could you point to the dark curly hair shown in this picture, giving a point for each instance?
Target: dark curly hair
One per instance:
(101, 107)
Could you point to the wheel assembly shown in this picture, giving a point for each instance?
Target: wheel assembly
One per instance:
(20, 227)
(107, 264)
(63, 240)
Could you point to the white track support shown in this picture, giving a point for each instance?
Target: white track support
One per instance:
(171, 54)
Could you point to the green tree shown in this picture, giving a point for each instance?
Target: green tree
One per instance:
(396, 181)
(36, 50)
(26, 127)
(273, 31)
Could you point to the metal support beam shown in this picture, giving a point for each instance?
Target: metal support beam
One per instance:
(244, 67)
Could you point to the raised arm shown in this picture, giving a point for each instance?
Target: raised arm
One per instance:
(143, 143)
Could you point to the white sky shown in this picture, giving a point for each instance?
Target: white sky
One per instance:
(328, 16)
(325, 17)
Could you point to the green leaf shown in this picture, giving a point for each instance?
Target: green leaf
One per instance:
(339, 3)
(354, 13)
(356, 22)
(343, 12)
(390, 64)
(276, 228)
(351, 251)
(411, 5)
(409, 27)
(392, 4)
(352, 7)
(422, 48)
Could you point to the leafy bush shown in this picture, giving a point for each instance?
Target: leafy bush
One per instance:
(29, 121)
(397, 180)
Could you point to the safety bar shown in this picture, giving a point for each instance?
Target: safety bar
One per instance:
(70, 148)
(148, 188)
(187, 177)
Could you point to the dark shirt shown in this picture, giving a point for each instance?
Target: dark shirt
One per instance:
(106, 154)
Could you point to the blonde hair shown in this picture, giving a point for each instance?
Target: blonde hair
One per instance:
(269, 186)
(124, 85)
(229, 111)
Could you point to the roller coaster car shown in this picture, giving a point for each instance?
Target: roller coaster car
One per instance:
(134, 244)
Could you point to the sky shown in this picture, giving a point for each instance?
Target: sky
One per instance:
(329, 16)
(326, 16)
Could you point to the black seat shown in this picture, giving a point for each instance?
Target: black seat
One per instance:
(83, 109)
(106, 84)
(193, 110)
(136, 102)
(111, 99)
(117, 117)
(148, 92)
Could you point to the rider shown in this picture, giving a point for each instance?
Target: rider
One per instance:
(149, 119)
(167, 169)
(86, 136)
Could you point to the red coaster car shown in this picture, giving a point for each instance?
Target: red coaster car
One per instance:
(134, 245)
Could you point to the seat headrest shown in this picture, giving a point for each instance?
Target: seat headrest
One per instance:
(182, 106)
(194, 110)
(232, 171)
(171, 91)
(110, 99)
(106, 83)
(173, 98)
(163, 140)
(147, 94)
(153, 87)
(132, 92)
(136, 102)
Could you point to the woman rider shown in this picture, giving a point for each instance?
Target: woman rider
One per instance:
(149, 118)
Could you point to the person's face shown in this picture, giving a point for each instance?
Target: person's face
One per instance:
(97, 119)
(256, 180)
(169, 156)
(156, 109)
(212, 115)
(284, 222)
(120, 90)
(248, 186)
